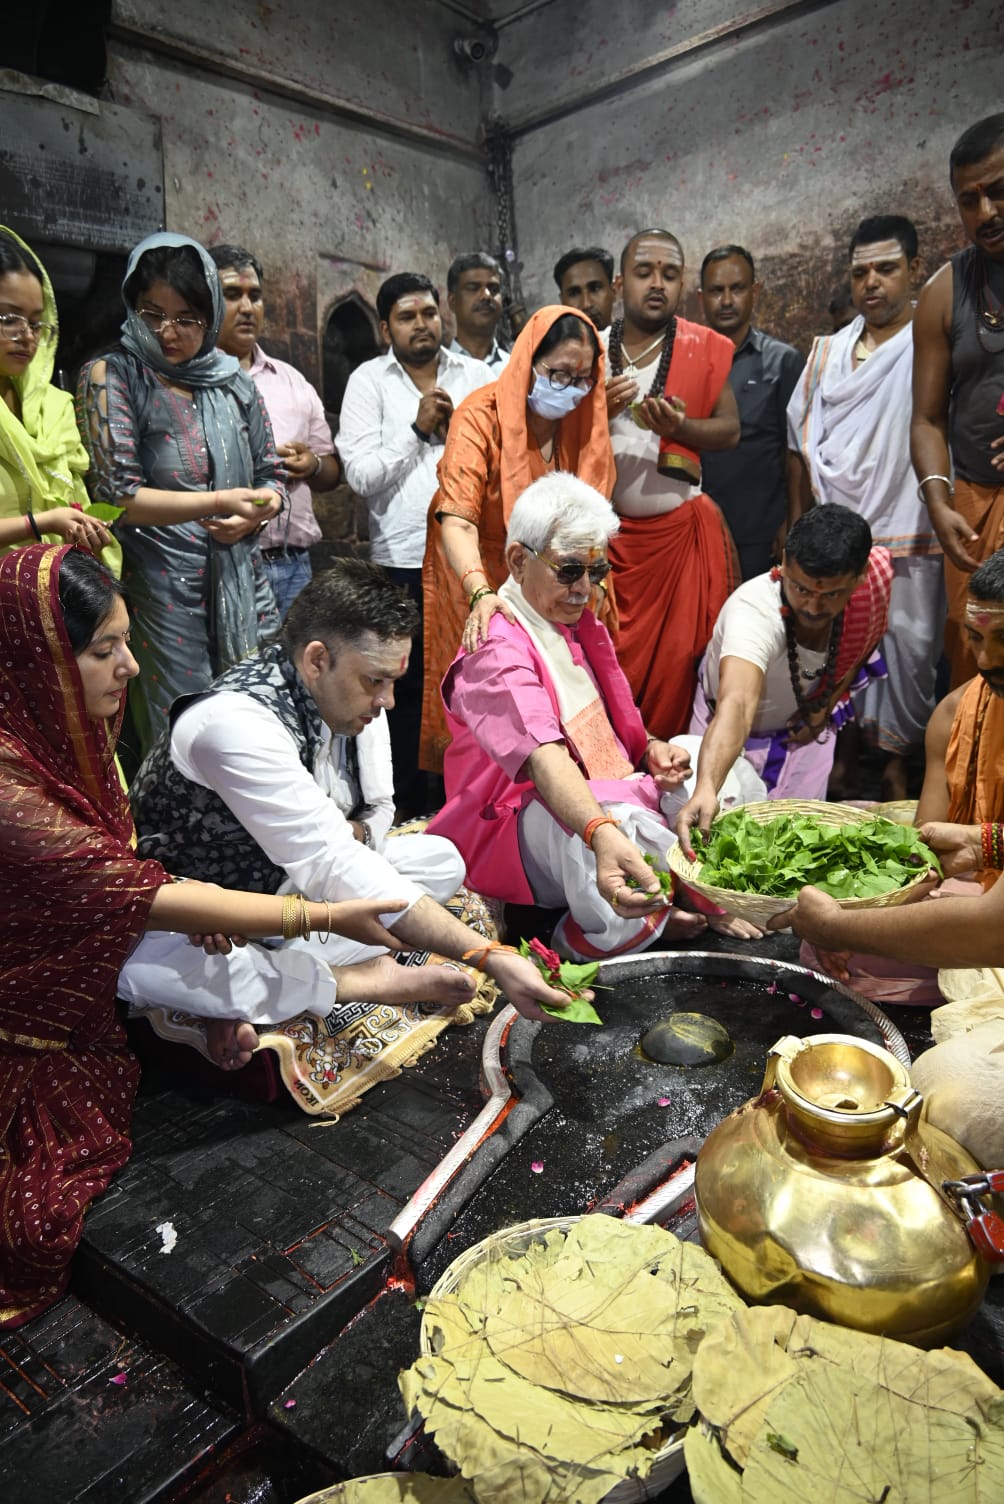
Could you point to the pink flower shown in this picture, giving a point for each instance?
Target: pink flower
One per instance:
(289, 1404)
(545, 956)
(119, 1378)
(816, 1013)
(537, 1168)
(663, 1102)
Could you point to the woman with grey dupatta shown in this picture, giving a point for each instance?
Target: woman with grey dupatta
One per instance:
(179, 439)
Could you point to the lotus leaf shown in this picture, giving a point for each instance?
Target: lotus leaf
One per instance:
(739, 1368)
(553, 1425)
(816, 1411)
(858, 1441)
(552, 1373)
(712, 1478)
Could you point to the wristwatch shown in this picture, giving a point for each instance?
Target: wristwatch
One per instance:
(421, 434)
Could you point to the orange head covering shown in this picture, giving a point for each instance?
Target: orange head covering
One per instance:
(583, 436)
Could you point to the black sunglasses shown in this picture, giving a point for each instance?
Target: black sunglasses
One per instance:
(569, 574)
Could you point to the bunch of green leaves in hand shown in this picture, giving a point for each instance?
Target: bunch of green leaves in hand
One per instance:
(665, 878)
(572, 977)
(782, 856)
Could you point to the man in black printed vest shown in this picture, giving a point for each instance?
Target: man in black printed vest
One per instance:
(279, 779)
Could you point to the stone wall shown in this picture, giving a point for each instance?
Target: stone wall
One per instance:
(339, 143)
(779, 126)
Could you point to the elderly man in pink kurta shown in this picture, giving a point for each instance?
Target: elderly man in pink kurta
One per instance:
(555, 791)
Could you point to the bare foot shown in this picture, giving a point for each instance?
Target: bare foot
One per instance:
(231, 1042)
(734, 928)
(681, 925)
(382, 980)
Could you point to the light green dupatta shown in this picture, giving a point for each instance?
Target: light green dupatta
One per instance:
(42, 459)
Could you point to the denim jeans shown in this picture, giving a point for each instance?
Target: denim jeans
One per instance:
(288, 573)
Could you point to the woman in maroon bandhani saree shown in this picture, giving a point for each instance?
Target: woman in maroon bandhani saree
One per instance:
(74, 898)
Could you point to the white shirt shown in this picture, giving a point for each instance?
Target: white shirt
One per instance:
(641, 489)
(496, 357)
(750, 626)
(234, 745)
(385, 460)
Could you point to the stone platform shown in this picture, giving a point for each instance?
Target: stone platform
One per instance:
(260, 1353)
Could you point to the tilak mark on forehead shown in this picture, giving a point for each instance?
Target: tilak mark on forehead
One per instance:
(983, 613)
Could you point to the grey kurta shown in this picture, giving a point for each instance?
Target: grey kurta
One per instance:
(190, 605)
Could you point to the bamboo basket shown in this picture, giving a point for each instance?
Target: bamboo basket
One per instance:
(511, 1242)
(353, 1490)
(900, 810)
(759, 907)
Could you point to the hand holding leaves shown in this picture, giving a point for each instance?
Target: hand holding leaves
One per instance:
(572, 977)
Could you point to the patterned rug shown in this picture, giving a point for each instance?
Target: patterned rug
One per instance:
(328, 1064)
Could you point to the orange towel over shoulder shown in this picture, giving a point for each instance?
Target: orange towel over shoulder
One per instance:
(675, 571)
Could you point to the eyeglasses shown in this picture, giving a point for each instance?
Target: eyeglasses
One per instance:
(562, 379)
(16, 326)
(569, 574)
(186, 322)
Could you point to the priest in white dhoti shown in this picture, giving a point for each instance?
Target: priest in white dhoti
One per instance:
(849, 421)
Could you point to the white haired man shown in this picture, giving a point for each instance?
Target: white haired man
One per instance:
(555, 791)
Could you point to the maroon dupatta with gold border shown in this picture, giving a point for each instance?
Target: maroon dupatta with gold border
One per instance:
(74, 898)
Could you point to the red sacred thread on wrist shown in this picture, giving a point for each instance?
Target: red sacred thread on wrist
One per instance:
(593, 826)
(477, 957)
(986, 840)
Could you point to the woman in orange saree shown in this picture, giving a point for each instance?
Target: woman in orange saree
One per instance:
(546, 412)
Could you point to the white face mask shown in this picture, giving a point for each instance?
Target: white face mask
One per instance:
(548, 402)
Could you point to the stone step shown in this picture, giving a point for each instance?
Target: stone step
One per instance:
(277, 1220)
(89, 1416)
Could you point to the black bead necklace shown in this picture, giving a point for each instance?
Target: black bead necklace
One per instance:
(615, 355)
(809, 704)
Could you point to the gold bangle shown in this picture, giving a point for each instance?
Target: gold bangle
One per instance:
(323, 940)
(295, 918)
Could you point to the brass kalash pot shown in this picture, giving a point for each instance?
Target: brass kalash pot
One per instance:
(823, 1194)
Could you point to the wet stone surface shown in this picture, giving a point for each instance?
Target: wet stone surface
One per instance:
(89, 1415)
(604, 1107)
(282, 1334)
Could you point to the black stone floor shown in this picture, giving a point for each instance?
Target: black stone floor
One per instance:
(257, 1360)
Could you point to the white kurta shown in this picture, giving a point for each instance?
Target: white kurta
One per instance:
(236, 746)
